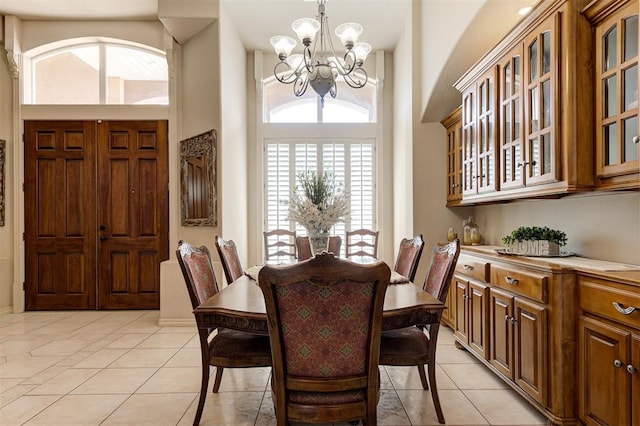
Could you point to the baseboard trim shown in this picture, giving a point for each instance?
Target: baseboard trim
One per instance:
(6, 310)
(176, 322)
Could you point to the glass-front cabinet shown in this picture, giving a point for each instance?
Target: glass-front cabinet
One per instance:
(453, 125)
(469, 151)
(511, 132)
(616, 76)
(539, 164)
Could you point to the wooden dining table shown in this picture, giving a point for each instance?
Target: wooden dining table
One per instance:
(240, 306)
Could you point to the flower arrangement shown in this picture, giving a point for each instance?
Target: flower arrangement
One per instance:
(535, 233)
(318, 202)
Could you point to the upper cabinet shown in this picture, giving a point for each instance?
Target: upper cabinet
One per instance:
(616, 93)
(453, 125)
(553, 108)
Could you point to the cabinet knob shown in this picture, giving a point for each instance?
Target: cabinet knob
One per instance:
(635, 139)
(511, 281)
(624, 311)
(467, 267)
(631, 369)
(507, 317)
(617, 363)
(513, 320)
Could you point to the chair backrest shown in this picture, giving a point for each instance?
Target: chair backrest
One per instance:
(197, 271)
(334, 245)
(325, 320)
(443, 264)
(228, 253)
(409, 255)
(303, 248)
(362, 242)
(279, 243)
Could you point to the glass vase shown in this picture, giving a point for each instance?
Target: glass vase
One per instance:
(319, 242)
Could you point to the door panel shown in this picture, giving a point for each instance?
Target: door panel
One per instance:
(60, 215)
(531, 348)
(132, 213)
(501, 332)
(478, 321)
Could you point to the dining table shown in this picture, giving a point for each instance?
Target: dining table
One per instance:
(240, 306)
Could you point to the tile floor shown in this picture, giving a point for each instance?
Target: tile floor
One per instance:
(121, 368)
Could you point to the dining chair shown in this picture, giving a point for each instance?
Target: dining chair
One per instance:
(335, 242)
(410, 345)
(279, 243)
(303, 248)
(227, 348)
(362, 242)
(229, 258)
(409, 255)
(325, 318)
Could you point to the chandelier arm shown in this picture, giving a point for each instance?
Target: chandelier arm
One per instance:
(357, 79)
(285, 78)
(300, 84)
(308, 58)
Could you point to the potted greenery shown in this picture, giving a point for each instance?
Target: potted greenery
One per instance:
(535, 241)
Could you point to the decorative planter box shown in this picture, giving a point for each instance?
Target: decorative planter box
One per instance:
(535, 248)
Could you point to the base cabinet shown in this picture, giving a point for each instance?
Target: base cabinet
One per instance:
(609, 353)
(471, 314)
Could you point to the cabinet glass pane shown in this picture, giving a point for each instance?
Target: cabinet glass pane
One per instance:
(611, 144)
(546, 153)
(491, 170)
(546, 104)
(630, 131)
(610, 96)
(630, 38)
(534, 107)
(507, 81)
(508, 165)
(516, 119)
(546, 52)
(516, 74)
(481, 98)
(517, 159)
(610, 47)
(631, 88)
(535, 157)
(533, 61)
(506, 113)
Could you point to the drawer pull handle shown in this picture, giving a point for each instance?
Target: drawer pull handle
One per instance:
(631, 369)
(511, 281)
(468, 267)
(625, 311)
(617, 363)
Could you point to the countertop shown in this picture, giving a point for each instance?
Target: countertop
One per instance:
(619, 271)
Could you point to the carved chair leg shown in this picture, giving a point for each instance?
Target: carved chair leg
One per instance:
(216, 383)
(423, 377)
(203, 393)
(434, 391)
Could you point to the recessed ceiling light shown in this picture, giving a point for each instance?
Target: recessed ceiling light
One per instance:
(525, 10)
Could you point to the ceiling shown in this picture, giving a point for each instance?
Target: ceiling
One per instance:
(255, 20)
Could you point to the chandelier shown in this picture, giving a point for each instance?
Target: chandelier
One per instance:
(319, 66)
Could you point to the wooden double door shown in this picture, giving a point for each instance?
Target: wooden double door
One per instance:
(96, 214)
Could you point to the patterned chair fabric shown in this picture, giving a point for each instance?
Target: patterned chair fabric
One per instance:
(303, 247)
(228, 253)
(227, 348)
(325, 320)
(409, 256)
(334, 245)
(410, 345)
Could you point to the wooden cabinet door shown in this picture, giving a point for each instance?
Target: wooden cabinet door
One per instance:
(501, 331)
(461, 330)
(542, 147)
(132, 212)
(478, 321)
(530, 351)
(486, 132)
(60, 199)
(511, 140)
(604, 383)
(453, 125)
(616, 94)
(635, 380)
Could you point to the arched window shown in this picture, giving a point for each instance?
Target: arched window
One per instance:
(98, 73)
(350, 106)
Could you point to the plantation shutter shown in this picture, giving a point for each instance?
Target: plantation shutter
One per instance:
(351, 162)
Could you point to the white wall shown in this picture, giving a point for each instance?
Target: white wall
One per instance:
(233, 167)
